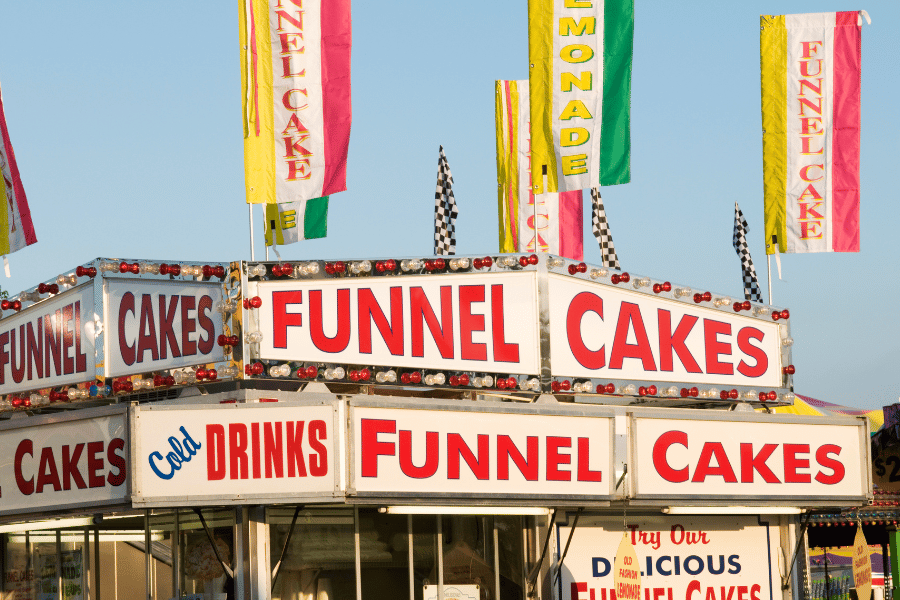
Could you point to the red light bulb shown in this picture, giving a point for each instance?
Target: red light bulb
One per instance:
(573, 269)
(463, 379)
(610, 388)
(487, 261)
(365, 374)
(615, 278)
(208, 271)
(625, 277)
(523, 261)
(789, 370)
(379, 266)
(255, 302)
(738, 307)
(511, 382)
(657, 288)
(667, 287)
(454, 380)
(746, 305)
(555, 386)
(652, 390)
(533, 259)
(415, 377)
(476, 262)
(733, 394)
(707, 296)
(776, 315)
(404, 378)
(312, 372)
(785, 314)
(698, 298)
(501, 383)
(694, 392)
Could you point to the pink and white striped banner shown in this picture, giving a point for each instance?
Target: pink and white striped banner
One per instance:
(16, 229)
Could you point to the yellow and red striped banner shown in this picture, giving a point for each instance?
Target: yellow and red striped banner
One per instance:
(810, 80)
(295, 72)
(16, 229)
(548, 223)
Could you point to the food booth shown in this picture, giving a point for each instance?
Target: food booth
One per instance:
(480, 428)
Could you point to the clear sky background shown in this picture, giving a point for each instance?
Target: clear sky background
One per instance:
(126, 122)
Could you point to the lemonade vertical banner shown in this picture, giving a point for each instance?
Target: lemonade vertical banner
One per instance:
(550, 223)
(580, 55)
(295, 73)
(810, 66)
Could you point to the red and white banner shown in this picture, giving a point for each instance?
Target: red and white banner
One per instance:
(399, 451)
(600, 331)
(680, 558)
(478, 323)
(49, 344)
(58, 465)
(156, 325)
(232, 453)
(295, 70)
(716, 458)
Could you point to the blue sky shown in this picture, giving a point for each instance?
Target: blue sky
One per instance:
(126, 122)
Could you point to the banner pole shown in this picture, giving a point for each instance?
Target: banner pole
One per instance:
(252, 255)
(769, 276)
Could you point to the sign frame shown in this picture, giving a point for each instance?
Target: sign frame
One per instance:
(638, 497)
(123, 501)
(313, 400)
(486, 498)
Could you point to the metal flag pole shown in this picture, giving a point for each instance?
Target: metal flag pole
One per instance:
(252, 255)
(769, 275)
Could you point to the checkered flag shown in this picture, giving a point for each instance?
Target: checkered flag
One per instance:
(601, 232)
(444, 210)
(751, 286)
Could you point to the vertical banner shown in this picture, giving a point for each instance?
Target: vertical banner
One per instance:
(16, 230)
(551, 222)
(580, 57)
(810, 83)
(295, 72)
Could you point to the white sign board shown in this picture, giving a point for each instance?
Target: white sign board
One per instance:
(689, 558)
(397, 451)
(601, 331)
(483, 323)
(680, 458)
(233, 453)
(55, 465)
(156, 325)
(50, 344)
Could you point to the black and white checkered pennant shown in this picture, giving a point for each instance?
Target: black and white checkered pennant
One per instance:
(751, 286)
(601, 232)
(444, 210)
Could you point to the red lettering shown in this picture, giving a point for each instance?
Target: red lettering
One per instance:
(52, 344)
(824, 460)
(341, 338)
(274, 450)
(80, 357)
(167, 339)
(804, 67)
(281, 319)
(128, 352)
(714, 348)
(661, 463)
(432, 455)
(809, 230)
(371, 448)
(318, 462)
(582, 303)
(670, 341)
(810, 213)
(706, 469)
(457, 448)
(95, 464)
(299, 168)
(257, 458)
(70, 467)
(469, 323)
(188, 326)
(555, 458)
(237, 450)
(47, 473)
(503, 352)
(147, 330)
(506, 449)
(792, 462)
(584, 462)
(369, 311)
(810, 49)
(750, 463)
(206, 343)
(630, 319)
(762, 361)
(26, 486)
(294, 449)
(36, 350)
(805, 142)
(215, 452)
(116, 460)
(441, 332)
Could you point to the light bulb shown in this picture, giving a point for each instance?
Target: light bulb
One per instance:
(597, 273)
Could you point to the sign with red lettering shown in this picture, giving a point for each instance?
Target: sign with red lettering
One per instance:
(156, 325)
(462, 322)
(678, 558)
(456, 453)
(63, 462)
(601, 331)
(711, 457)
(233, 453)
(49, 344)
